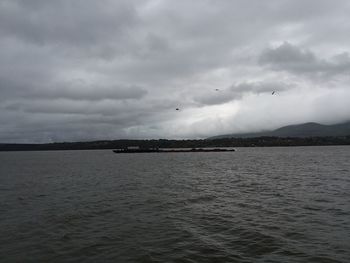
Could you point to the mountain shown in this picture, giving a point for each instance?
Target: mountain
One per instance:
(310, 129)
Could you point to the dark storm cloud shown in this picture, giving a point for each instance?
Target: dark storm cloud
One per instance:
(87, 69)
(291, 58)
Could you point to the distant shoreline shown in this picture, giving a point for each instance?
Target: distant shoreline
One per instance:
(172, 144)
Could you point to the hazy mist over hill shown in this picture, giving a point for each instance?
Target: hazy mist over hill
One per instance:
(309, 129)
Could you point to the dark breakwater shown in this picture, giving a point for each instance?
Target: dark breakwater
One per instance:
(182, 150)
(254, 205)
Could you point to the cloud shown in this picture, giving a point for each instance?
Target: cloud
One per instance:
(215, 97)
(259, 87)
(238, 90)
(81, 24)
(76, 91)
(81, 91)
(86, 69)
(291, 58)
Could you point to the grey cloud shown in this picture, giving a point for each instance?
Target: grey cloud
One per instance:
(81, 23)
(52, 120)
(58, 106)
(260, 87)
(87, 92)
(238, 90)
(216, 97)
(72, 70)
(73, 90)
(291, 58)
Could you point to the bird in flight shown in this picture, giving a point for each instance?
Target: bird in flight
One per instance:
(217, 89)
(273, 92)
(177, 108)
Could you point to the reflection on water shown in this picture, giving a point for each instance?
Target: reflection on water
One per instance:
(253, 205)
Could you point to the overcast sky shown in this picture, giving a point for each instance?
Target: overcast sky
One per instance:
(85, 69)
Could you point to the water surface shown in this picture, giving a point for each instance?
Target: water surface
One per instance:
(254, 205)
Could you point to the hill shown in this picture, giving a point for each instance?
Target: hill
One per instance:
(310, 129)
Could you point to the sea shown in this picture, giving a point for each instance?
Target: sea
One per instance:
(273, 204)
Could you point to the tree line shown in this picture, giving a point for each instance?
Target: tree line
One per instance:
(164, 143)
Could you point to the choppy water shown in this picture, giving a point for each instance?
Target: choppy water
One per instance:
(253, 205)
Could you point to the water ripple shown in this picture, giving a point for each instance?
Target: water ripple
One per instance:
(253, 205)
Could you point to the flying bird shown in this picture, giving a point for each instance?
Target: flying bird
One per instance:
(217, 89)
(273, 92)
(177, 108)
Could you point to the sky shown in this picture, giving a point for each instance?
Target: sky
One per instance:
(77, 70)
